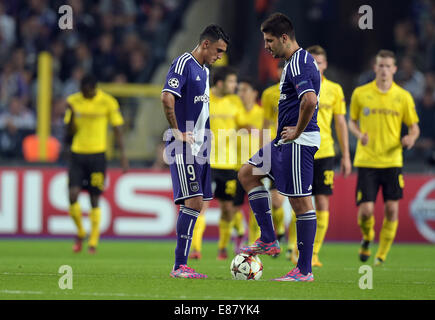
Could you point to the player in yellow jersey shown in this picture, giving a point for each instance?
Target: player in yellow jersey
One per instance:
(250, 124)
(332, 106)
(377, 111)
(224, 106)
(269, 102)
(87, 117)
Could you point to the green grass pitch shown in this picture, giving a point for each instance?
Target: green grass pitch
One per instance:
(139, 269)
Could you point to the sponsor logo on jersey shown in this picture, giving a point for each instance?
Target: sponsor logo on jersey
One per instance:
(204, 98)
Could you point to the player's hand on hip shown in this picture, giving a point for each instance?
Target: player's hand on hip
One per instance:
(184, 136)
(289, 134)
(364, 138)
(408, 142)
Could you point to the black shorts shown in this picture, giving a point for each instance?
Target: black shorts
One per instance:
(225, 181)
(323, 179)
(88, 172)
(371, 179)
(239, 199)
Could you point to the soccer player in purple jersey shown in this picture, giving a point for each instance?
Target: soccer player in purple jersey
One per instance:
(289, 158)
(185, 99)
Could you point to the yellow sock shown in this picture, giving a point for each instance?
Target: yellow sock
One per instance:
(367, 227)
(224, 233)
(322, 227)
(278, 220)
(254, 228)
(238, 223)
(76, 214)
(386, 238)
(292, 236)
(95, 217)
(198, 232)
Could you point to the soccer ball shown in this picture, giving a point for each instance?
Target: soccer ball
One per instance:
(246, 267)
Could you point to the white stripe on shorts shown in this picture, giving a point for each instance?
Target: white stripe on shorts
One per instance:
(181, 175)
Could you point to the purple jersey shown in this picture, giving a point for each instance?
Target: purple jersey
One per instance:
(188, 81)
(300, 75)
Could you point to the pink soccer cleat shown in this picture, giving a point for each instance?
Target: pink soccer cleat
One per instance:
(77, 247)
(296, 275)
(186, 272)
(260, 247)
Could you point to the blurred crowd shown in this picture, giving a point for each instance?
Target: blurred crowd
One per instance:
(414, 40)
(112, 39)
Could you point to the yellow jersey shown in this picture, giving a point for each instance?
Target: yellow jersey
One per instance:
(380, 115)
(249, 142)
(223, 125)
(91, 118)
(331, 102)
(269, 102)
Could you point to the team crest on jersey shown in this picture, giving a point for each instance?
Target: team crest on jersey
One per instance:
(194, 186)
(173, 83)
(366, 111)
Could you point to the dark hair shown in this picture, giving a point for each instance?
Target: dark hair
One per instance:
(221, 74)
(213, 33)
(251, 82)
(88, 81)
(277, 25)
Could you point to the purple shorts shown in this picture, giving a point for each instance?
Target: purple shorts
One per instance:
(190, 180)
(289, 165)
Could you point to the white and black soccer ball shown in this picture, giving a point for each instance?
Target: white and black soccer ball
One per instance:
(246, 267)
(173, 83)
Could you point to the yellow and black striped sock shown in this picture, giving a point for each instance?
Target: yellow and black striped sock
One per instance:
(76, 214)
(367, 227)
(386, 238)
(95, 217)
(238, 223)
(292, 235)
(322, 227)
(198, 233)
(278, 220)
(254, 228)
(224, 233)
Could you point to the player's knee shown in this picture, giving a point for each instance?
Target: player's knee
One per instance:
(391, 211)
(365, 210)
(242, 175)
(194, 203)
(95, 200)
(246, 177)
(73, 195)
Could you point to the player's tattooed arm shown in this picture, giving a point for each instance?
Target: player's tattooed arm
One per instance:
(168, 102)
(307, 108)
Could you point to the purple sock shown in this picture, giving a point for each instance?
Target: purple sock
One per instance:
(185, 224)
(306, 225)
(260, 204)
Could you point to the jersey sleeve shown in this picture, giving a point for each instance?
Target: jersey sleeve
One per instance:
(410, 115)
(354, 106)
(300, 74)
(340, 103)
(115, 116)
(176, 77)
